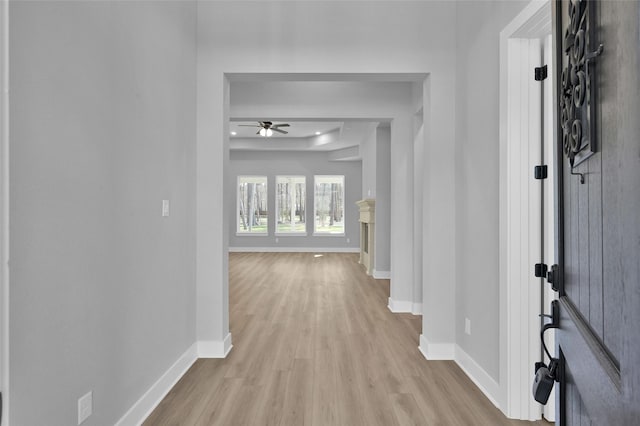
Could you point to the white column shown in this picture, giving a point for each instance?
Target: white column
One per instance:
(212, 239)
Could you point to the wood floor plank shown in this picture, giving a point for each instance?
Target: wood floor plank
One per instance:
(298, 398)
(323, 410)
(406, 409)
(270, 405)
(315, 344)
(219, 404)
(189, 398)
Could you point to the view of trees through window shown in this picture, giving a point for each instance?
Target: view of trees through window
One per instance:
(329, 205)
(252, 204)
(290, 204)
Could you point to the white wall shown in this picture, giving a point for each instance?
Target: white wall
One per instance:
(4, 205)
(477, 173)
(102, 130)
(383, 200)
(376, 181)
(418, 223)
(361, 100)
(368, 149)
(308, 164)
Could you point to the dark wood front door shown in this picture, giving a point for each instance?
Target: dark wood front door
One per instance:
(598, 116)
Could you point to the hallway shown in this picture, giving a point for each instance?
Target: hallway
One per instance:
(314, 343)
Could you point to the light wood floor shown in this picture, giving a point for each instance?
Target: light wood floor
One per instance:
(314, 343)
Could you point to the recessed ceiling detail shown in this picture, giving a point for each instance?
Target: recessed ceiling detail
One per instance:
(310, 135)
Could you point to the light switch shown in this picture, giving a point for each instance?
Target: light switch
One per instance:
(165, 208)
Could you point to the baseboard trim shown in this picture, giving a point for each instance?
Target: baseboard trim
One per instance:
(399, 306)
(449, 351)
(416, 308)
(436, 351)
(214, 348)
(404, 307)
(381, 275)
(481, 378)
(154, 395)
(294, 250)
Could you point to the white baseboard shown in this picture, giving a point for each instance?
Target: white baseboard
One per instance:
(381, 275)
(294, 250)
(214, 348)
(152, 397)
(399, 306)
(450, 351)
(436, 351)
(416, 308)
(483, 381)
(404, 307)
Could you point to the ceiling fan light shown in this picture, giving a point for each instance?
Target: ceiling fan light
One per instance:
(269, 132)
(263, 132)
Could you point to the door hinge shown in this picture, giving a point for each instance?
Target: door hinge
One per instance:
(540, 172)
(540, 73)
(553, 277)
(540, 270)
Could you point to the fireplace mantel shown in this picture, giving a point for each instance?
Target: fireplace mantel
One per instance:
(367, 220)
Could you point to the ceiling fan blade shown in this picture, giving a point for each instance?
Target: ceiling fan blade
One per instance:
(258, 132)
(280, 125)
(275, 129)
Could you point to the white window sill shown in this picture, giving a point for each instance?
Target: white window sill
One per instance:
(327, 234)
(252, 234)
(290, 234)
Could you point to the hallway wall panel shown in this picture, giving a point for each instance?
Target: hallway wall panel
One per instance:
(102, 130)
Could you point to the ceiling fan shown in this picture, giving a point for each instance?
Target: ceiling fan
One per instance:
(267, 128)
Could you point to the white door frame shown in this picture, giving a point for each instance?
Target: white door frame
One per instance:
(4, 209)
(549, 129)
(520, 134)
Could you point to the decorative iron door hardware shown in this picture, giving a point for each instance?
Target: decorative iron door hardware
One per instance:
(577, 96)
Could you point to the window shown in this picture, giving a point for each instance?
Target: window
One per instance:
(252, 205)
(329, 205)
(291, 205)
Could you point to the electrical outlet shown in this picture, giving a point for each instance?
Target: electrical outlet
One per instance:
(277, 240)
(85, 407)
(165, 208)
(467, 326)
(348, 240)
